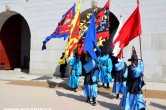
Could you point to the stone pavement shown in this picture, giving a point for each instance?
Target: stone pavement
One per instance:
(17, 90)
(10, 75)
(16, 97)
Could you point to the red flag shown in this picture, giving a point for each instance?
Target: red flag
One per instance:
(130, 30)
(101, 12)
(102, 22)
(120, 55)
(80, 45)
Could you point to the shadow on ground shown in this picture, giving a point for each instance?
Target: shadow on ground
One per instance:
(45, 77)
(163, 107)
(107, 95)
(78, 98)
(53, 84)
(109, 105)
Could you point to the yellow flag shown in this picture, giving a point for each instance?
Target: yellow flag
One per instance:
(74, 33)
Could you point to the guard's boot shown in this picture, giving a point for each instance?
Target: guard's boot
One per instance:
(103, 85)
(108, 86)
(117, 96)
(94, 101)
(88, 100)
(142, 109)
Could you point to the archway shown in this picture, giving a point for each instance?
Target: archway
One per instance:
(15, 43)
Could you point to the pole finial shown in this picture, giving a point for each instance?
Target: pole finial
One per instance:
(94, 3)
(138, 2)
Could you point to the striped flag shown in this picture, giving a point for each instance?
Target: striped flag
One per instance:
(74, 33)
(63, 28)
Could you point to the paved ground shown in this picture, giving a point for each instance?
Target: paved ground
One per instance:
(16, 96)
(160, 94)
(18, 90)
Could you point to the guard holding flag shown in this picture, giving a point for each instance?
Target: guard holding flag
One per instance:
(133, 98)
(90, 81)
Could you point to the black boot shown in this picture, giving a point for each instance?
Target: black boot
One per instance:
(117, 96)
(88, 100)
(108, 86)
(142, 109)
(103, 84)
(62, 75)
(94, 101)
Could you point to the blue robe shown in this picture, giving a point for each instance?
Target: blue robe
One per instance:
(90, 81)
(105, 75)
(133, 98)
(99, 65)
(121, 73)
(76, 70)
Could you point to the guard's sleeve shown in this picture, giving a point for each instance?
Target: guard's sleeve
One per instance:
(138, 70)
(109, 65)
(79, 69)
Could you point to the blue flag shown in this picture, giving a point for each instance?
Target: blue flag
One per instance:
(90, 41)
(63, 28)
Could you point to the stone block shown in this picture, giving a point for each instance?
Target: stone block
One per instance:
(158, 41)
(151, 57)
(44, 68)
(47, 68)
(153, 73)
(164, 73)
(145, 42)
(46, 55)
(162, 57)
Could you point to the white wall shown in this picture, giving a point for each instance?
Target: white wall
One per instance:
(43, 16)
(153, 14)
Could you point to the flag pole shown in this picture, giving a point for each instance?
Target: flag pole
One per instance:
(138, 2)
(140, 43)
(141, 58)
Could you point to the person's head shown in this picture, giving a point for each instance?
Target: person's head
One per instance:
(135, 62)
(134, 57)
(63, 53)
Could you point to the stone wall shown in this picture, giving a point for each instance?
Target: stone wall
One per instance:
(42, 17)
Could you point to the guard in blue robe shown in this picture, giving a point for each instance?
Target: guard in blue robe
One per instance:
(90, 81)
(99, 65)
(76, 71)
(133, 98)
(120, 78)
(105, 76)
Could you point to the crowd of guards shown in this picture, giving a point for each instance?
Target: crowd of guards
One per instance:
(127, 80)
